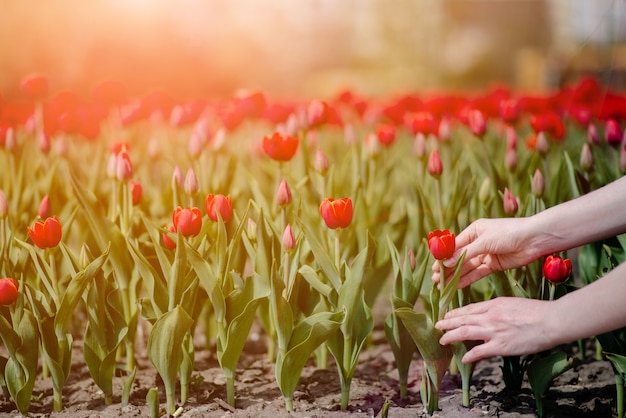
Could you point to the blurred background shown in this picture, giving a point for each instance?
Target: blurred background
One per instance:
(200, 48)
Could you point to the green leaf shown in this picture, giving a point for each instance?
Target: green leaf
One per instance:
(21, 368)
(165, 345)
(74, 292)
(313, 279)
(209, 283)
(307, 335)
(542, 370)
(322, 257)
(436, 356)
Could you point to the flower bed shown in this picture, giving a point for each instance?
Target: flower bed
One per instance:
(294, 217)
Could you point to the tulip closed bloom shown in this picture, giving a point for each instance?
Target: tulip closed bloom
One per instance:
(283, 195)
(510, 203)
(321, 162)
(280, 147)
(167, 241)
(435, 166)
(218, 204)
(191, 182)
(592, 135)
(386, 134)
(136, 191)
(441, 244)
(477, 122)
(556, 269)
(46, 234)
(337, 213)
(4, 206)
(317, 113)
(613, 133)
(537, 185)
(123, 167)
(289, 240)
(188, 221)
(510, 159)
(44, 207)
(586, 157)
(8, 291)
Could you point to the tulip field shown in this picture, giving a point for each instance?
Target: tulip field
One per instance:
(135, 227)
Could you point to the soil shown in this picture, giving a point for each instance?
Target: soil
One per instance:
(587, 390)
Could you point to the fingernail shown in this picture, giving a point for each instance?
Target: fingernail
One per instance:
(450, 262)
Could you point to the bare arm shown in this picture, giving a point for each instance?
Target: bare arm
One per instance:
(505, 243)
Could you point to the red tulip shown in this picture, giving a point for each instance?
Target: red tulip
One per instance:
(35, 87)
(46, 234)
(612, 133)
(318, 113)
(386, 134)
(167, 241)
(556, 269)
(44, 207)
(421, 122)
(136, 191)
(337, 213)
(188, 221)
(280, 147)
(8, 291)
(321, 162)
(477, 122)
(218, 204)
(441, 244)
(123, 166)
(435, 166)
(509, 110)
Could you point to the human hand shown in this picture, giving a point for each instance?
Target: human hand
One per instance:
(491, 245)
(507, 326)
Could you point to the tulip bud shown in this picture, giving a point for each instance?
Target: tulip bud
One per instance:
(4, 206)
(586, 158)
(124, 167)
(435, 166)
(484, 193)
(195, 145)
(537, 185)
(219, 139)
(60, 146)
(136, 191)
(372, 146)
(8, 291)
(510, 159)
(177, 178)
(289, 240)
(419, 145)
(283, 194)
(10, 142)
(511, 137)
(477, 122)
(321, 162)
(251, 229)
(349, 135)
(191, 183)
(542, 145)
(44, 207)
(445, 130)
(510, 203)
(43, 140)
(613, 133)
(592, 134)
(153, 148)
(412, 261)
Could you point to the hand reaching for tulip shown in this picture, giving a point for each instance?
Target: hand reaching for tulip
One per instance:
(492, 245)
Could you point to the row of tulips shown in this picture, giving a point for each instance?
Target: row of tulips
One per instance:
(313, 210)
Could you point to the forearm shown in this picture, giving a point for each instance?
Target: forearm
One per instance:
(597, 215)
(595, 309)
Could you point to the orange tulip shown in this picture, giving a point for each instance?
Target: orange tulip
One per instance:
(46, 234)
(337, 213)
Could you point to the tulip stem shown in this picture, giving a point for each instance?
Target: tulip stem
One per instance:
(439, 204)
(337, 250)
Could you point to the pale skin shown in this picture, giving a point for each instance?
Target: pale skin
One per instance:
(516, 326)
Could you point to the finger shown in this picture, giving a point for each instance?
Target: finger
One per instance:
(465, 333)
(471, 309)
(479, 352)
